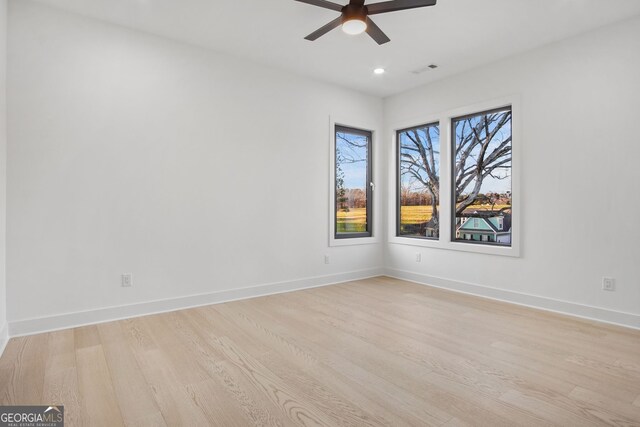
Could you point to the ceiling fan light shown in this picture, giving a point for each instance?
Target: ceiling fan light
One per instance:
(354, 26)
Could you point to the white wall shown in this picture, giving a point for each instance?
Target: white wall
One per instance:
(580, 175)
(3, 170)
(194, 171)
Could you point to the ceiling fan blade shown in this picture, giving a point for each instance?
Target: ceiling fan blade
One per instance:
(325, 29)
(394, 5)
(324, 3)
(376, 33)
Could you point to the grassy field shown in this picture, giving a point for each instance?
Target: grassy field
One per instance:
(420, 214)
(355, 220)
(415, 214)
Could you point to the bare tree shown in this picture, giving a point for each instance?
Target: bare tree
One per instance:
(341, 192)
(418, 161)
(349, 153)
(481, 151)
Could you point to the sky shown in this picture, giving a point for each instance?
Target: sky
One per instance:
(490, 184)
(355, 168)
(355, 165)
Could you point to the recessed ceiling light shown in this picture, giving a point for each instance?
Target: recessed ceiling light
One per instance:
(378, 71)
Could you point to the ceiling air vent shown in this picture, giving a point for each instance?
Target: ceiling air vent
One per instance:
(423, 69)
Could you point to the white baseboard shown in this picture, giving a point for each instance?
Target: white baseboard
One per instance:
(90, 317)
(619, 318)
(4, 337)
(107, 314)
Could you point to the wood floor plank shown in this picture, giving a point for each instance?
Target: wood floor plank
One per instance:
(300, 411)
(587, 411)
(61, 351)
(137, 336)
(61, 388)
(258, 408)
(99, 403)
(23, 370)
(342, 408)
(175, 404)
(135, 400)
(161, 329)
(373, 352)
(610, 410)
(552, 414)
(623, 391)
(199, 339)
(225, 413)
(61, 376)
(455, 422)
(86, 336)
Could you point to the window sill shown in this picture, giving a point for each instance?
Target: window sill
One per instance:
(353, 241)
(510, 251)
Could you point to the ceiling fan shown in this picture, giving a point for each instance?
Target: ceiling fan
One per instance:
(354, 17)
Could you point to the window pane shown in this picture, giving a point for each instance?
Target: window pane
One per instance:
(419, 181)
(353, 192)
(482, 178)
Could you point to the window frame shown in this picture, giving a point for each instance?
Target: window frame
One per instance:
(445, 118)
(368, 191)
(398, 195)
(354, 122)
(452, 166)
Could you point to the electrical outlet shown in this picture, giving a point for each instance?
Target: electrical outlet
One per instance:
(608, 284)
(326, 259)
(418, 257)
(126, 280)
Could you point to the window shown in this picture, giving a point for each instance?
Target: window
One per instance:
(481, 176)
(353, 183)
(418, 181)
(456, 179)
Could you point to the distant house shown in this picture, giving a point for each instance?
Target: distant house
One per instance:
(431, 228)
(484, 226)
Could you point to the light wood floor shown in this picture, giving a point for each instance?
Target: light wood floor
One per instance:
(373, 352)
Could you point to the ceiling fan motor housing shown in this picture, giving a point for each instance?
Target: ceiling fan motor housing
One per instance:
(354, 11)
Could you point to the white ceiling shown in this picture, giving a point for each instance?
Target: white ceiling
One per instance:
(455, 34)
